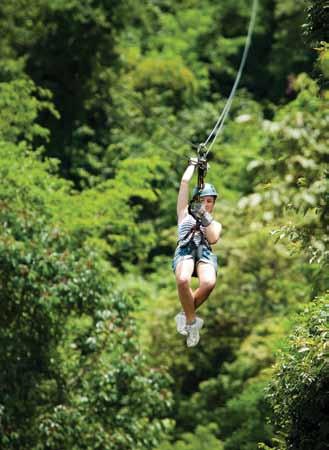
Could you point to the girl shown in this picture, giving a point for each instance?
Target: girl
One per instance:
(193, 256)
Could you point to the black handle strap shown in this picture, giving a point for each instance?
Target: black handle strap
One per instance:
(202, 171)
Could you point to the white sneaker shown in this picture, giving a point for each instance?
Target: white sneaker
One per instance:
(181, 323)
(193, 335)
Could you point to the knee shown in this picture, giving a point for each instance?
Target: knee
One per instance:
(183, 281)
(208, 284)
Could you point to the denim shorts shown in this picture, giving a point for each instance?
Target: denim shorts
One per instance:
(202, 254)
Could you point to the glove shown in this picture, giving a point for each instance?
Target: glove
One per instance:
(199, 213)
(206, 219)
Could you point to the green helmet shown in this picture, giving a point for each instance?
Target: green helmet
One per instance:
(209, 189)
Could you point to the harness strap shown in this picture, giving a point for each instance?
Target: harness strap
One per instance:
(190, 234)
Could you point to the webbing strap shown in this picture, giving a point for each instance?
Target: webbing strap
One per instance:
(191, 234)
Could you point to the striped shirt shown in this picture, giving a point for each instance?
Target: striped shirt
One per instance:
(185, 231)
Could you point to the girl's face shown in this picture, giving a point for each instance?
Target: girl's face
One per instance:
(208, 202)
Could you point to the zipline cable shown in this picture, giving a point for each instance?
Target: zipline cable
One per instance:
(221, 120)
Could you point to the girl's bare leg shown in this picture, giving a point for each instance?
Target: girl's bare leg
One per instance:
(207, 281)
(184, 272)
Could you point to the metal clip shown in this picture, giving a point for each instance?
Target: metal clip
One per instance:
(202, 151)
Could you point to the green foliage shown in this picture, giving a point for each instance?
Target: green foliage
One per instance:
(294, 174)
(316, 31)
(111, 215)
(316, 26)
(20, 104)
(69, 48)
(244, 421)
(235, 397)
(202, 439)
(298, 391)
(167, 74)
(71, 371)
(324, 58)
(289, 45)
(20, 24)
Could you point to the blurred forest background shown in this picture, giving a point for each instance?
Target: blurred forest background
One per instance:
(100, 101)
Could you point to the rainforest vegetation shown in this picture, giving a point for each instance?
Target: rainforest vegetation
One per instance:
(102, 103)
